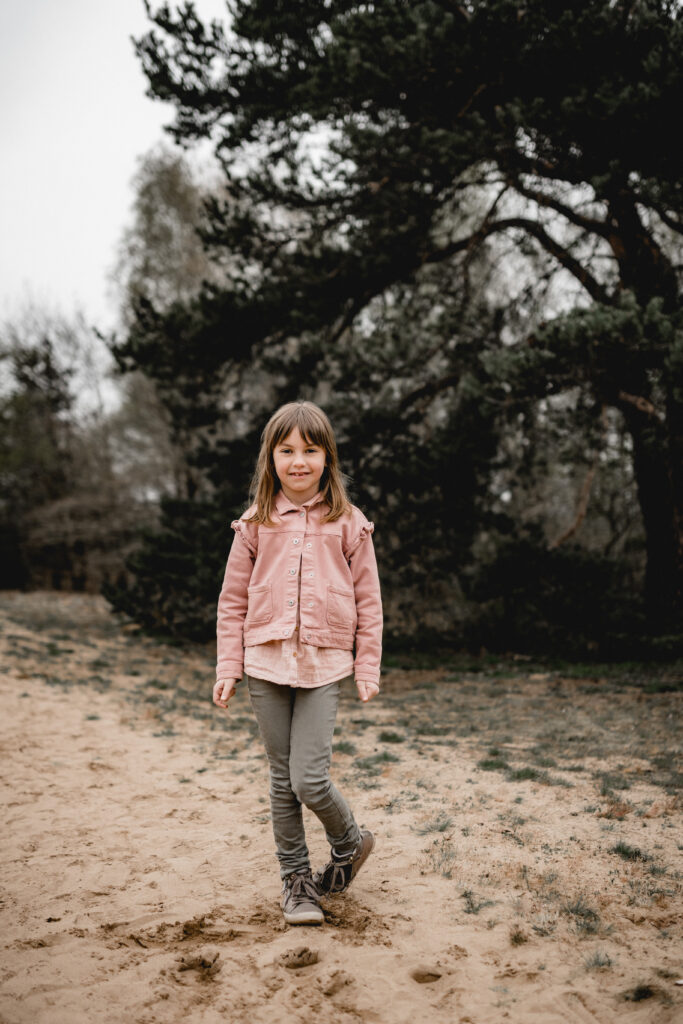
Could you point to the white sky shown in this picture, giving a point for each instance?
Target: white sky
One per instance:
(73, 119)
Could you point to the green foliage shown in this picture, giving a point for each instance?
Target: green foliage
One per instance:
(35, 450)
(192, 546)
(34, 431)
(563, 601)
(460, 150)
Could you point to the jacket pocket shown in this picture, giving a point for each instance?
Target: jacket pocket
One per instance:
(260, 604)
(341, 607)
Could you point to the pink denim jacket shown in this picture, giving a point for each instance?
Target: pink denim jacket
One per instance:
(340, 594)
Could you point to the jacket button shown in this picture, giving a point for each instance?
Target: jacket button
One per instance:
(292, 572)
(310, 604)
(309, 545)
(290, 601)
(308, 636)
(310, 575)
(297, 541)
(302, 513)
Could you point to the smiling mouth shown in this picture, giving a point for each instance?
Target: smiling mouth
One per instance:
(298, 474)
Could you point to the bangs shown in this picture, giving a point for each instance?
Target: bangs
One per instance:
(311, 425)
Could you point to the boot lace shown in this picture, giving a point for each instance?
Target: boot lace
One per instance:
(301, 887)
(337, 873)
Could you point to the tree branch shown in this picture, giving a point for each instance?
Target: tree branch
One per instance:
(537, 231)
(511, 158)
(581, 508)
(665, 217)
(587, 223)
(640, 403)
(584, 494)
(428, 390)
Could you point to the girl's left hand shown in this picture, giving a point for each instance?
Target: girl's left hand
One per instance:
(366, 691)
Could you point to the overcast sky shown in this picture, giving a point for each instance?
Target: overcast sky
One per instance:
(73, 119)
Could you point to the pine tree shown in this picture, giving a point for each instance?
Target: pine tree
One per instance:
(363, 144)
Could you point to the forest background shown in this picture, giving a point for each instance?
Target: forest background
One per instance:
(454, 226)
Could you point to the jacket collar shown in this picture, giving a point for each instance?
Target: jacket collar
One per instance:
(283, 504)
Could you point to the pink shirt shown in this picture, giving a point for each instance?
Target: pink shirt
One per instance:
(294, 663)
(301, 593)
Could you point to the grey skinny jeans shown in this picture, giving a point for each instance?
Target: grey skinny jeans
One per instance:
(297, 726)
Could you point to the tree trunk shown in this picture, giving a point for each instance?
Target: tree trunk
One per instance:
(659, 496)
(657, 435)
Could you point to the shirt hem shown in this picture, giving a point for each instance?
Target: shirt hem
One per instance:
(270, 676)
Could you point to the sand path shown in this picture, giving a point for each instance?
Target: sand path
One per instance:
(140, 883)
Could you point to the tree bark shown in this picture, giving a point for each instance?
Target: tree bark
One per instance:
(657, 434)
(659, 496)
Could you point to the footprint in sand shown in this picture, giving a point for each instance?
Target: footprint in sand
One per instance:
(336, 982)
(425, 975)
(206, 964)
(302, 956)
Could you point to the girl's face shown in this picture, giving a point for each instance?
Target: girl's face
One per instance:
(299, 466)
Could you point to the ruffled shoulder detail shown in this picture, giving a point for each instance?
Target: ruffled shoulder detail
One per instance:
(248, 532)
(359, 530)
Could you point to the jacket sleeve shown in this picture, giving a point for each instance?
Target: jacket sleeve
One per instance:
(232, 604)
(363, 565)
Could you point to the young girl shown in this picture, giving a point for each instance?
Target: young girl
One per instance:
(300, 589)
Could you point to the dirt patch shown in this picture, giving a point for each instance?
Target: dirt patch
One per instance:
(528, 842)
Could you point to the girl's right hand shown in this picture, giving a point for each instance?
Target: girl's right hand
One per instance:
(223, 690)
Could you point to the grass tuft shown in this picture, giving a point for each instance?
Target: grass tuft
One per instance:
(385, 757)
(587, 920)
(639, 993)
(344, 747)
(598, 961)
(429, 729)
(609, 781)
(442, 857)
(439, 823)
(493, 764)
(391, 737)
(517, 936)
(472, 904)
(373, 765)
(630, 852)
(522, 774)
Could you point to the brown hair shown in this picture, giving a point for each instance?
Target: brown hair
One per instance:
(315, 428)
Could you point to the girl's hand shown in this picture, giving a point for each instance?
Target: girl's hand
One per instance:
(223, 690)
(366, 691)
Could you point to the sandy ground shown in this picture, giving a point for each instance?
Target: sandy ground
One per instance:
(528, 863)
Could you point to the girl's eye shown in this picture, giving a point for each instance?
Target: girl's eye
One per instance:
(288, 451)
